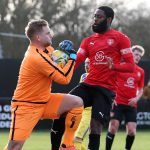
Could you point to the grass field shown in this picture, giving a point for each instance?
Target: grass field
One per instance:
(41, 141)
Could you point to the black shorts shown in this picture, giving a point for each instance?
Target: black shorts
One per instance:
(98, 97)
(120, 112)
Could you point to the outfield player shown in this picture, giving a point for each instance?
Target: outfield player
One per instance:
(33, 99)
(105, 49)
(130, 89)
(81, 133)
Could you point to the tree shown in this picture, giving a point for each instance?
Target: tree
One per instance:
(18, 16)
(69, 20)
(66, 19)
(135, 23)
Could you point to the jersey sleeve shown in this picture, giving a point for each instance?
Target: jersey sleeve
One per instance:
(82, 53)
(126, 54)
(141, 82)
(50, 69)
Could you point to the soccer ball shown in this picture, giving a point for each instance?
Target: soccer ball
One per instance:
(60, 57)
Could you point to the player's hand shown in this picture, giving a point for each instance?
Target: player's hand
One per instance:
(67, 46)
(110, 62)
(132, 102)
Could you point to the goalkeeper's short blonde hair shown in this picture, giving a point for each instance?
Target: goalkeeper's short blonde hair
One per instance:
(138, 48)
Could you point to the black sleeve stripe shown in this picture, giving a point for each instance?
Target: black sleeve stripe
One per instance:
(51, 74)
(70, 68)
(65, 74)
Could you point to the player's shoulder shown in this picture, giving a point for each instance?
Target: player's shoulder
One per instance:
(37, 55)
(139, 69)
(90, 37)
(119, 33)
(31, 52)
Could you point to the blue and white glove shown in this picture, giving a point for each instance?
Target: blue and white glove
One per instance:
(67, 46)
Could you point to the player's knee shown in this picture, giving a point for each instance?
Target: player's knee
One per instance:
(78, 102)
(113, 126)
(131, 131)
(113, 129)
(95, 126)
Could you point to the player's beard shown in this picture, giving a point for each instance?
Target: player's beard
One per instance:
(101, 27)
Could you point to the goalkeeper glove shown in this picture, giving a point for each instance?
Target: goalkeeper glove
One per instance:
(67, 46)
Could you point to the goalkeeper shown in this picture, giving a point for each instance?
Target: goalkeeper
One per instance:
(83, 128)
(33, 99)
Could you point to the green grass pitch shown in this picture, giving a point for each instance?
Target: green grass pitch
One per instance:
(40, 140)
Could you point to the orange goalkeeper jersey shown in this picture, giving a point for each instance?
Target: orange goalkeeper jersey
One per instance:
(36, 74)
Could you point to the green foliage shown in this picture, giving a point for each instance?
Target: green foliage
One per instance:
(69, 20)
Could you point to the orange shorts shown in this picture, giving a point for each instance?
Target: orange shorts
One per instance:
(26, 115)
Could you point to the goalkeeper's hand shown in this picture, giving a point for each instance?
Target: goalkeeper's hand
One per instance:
(67, 46)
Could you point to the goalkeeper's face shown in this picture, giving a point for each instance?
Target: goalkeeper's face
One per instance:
(45, 36)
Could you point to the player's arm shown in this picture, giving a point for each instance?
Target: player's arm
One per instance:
(48, 68)
(134, 100)
(128, 64)
(63, 76)
(141, 85)
(81, 54)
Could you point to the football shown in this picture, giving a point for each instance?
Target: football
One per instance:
(60, 57)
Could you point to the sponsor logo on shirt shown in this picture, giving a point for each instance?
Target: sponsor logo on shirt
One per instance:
(130, 82)
(100, 58)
